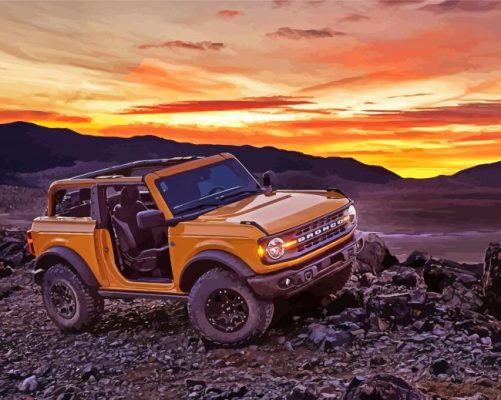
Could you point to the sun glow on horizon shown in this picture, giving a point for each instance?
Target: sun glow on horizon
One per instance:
(394, 88)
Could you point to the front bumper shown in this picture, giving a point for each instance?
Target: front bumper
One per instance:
(294, 280)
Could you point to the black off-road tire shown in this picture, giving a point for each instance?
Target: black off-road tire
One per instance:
(88, 305)
(259, 315)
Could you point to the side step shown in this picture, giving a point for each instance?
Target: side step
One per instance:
(120, 294)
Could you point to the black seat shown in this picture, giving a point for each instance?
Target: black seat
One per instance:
(139, 247)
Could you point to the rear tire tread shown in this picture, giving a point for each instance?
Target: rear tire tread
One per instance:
(93, 303)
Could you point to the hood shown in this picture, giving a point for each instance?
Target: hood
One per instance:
(279, 211)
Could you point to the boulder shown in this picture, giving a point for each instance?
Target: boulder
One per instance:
(440, 367)
(406, 277)
(392, 307)
(417, 259)
(375, 256)
(29, 384)
(13, 251)
(491, 279)
(383, 386)
(441, 273)
(5, 270)
(301, 392)
(324, 337)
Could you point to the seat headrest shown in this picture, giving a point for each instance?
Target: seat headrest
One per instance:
(129, 195)
(84, 194)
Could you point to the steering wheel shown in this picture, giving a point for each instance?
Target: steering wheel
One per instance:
(215, 190)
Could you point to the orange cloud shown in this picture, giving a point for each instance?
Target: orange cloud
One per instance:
(434, 52)
(34, 115)
(229, 13)
(249, 103)
(157, 76)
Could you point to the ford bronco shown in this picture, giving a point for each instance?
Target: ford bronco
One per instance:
(201, 230)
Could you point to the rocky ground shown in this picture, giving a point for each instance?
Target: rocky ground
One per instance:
(421, 329)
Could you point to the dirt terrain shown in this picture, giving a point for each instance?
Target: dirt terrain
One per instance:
(423, 322)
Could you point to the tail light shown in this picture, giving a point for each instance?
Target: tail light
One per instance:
(29, 241)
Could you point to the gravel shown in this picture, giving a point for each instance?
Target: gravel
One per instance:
(416, 330)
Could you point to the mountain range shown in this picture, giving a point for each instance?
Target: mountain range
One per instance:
(33, 155)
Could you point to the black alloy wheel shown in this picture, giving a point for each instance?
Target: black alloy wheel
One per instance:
(63, 299)
(69, 302)
(226, 310)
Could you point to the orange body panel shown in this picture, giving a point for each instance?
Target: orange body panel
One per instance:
(77, 234)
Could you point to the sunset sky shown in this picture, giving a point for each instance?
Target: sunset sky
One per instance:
(412, 85)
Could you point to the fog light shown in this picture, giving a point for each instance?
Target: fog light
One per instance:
(286, 282)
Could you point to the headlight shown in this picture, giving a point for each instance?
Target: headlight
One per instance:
(275, 248)
(352, 213)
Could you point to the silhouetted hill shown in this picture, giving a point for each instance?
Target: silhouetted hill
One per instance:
(29, 151)
(484, 174)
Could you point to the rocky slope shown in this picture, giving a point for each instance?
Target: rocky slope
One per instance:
(421, 329)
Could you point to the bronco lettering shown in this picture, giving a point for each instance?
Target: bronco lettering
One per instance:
(319, 231)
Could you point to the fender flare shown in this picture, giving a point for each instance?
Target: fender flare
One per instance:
(72, 258)
(201, 262)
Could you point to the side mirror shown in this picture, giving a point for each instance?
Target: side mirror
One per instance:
(268, 180)
(150, 219)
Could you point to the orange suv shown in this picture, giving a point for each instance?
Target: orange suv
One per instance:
(199, 230)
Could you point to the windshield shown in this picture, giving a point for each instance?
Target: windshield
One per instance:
(208, 186)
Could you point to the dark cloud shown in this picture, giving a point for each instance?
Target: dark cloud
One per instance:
(286, 3)
(354, 18)
(401, 2)
(297, 34)
(463, 5)
(181, 44)
(410, 95)
(481, 113)
(248, 103)
(229, 13)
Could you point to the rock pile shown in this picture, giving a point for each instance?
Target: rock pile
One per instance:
(382, 386)
(491, 279)
(419, 329)
(13, 249)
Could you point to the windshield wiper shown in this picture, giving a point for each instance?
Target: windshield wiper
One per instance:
(199, 206)
(243, 192)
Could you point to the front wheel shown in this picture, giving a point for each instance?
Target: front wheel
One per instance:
(226, 311)
(68, 300)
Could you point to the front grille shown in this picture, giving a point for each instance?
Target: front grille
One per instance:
(318, 224)
(312, 235)
(320, 239)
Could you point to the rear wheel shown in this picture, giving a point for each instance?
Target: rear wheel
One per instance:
(226, 311)
(68, 300)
